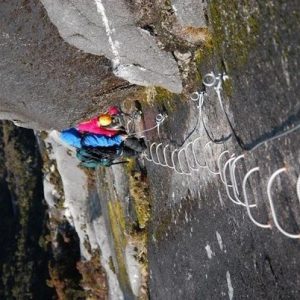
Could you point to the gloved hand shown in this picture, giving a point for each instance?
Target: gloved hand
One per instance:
(137, 145)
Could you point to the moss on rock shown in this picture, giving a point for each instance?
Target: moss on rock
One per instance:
(117, 221)
(235, 30)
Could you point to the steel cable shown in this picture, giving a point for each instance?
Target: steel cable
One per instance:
(185, 159)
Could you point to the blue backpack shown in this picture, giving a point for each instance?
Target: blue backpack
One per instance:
(91, 157)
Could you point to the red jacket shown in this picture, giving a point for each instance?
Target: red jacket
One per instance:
(92, 125)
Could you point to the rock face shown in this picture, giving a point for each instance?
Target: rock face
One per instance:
(193, 215)
(107, 27)
(44, 82)
(190, 13)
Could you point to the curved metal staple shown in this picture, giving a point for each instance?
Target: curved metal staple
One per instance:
(148, 155)
(154, 150)
(195, 156)
(173, 162)
(237, 201)
(147, 158)
(274, 215)
(209, 169)
(298, 188)
(233, 177)
(179, 160)
(152, 156)
(190, 166)
(256, 169)
(225, 179)
(157, 155)
(234, 182)
(165, 156)
(219, 166)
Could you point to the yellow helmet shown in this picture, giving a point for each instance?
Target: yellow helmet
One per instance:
(105, 120)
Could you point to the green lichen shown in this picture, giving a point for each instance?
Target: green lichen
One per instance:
(168, 3)
(130, 165)
(163, 94)
(165, 99)
(118, 223)
(123, 230)
(202, 55)
(111, 264)
(235, 31)
(140, 94)
(163, 227)
(228, 87)
(205, 52)
(116, 211)
(139, 193)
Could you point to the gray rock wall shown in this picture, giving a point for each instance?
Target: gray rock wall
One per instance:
(190, 13)
(106, 27)
(45, 82)
(217, 252)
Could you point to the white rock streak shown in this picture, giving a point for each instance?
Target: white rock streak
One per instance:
(230, 288)
(109, 31)
(75, 184)
(284, 64)
(133, 268)
(75, 187)
(101, 233)
(208, 251)
(175, 9)
(220, 198)
(219, 238)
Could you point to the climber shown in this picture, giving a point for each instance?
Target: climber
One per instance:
(102, 136)
(120, 144)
